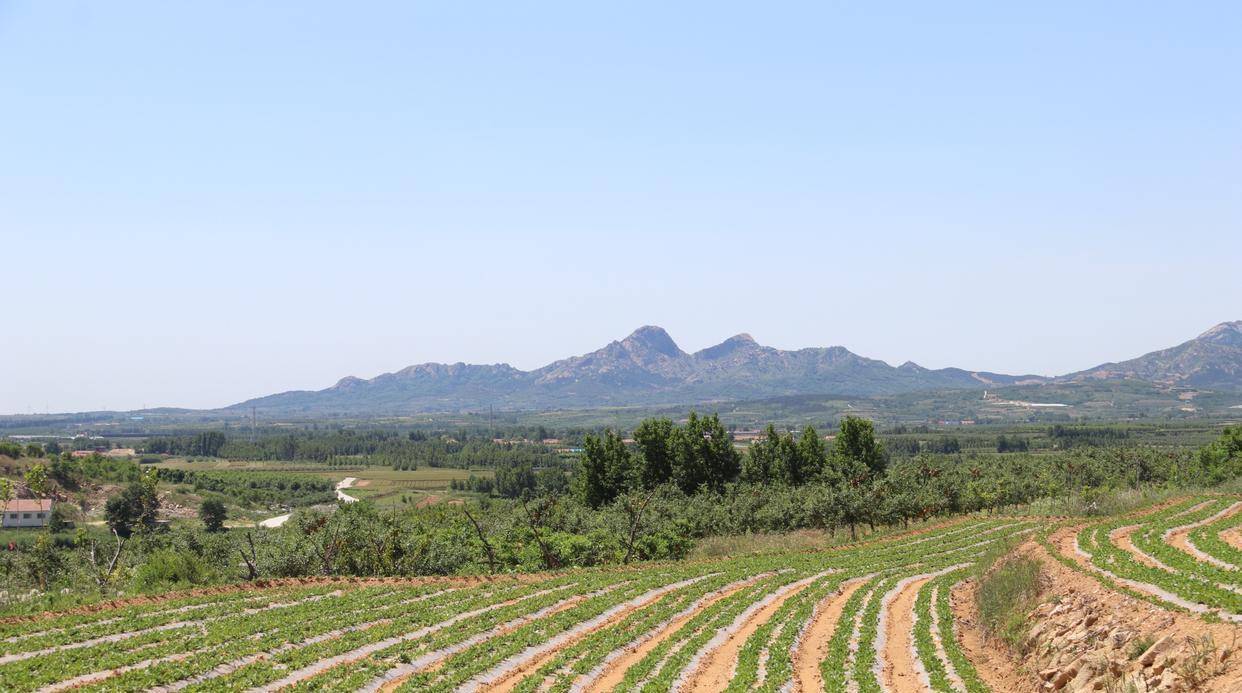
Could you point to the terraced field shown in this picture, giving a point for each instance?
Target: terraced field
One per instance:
(872, 617)
(773, 622)
(1184, 556)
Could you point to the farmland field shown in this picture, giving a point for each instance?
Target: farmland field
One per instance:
(386, 487)
(875, 616)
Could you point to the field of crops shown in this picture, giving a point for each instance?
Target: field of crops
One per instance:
(810, 620)
(1187, 555)
(872, 617)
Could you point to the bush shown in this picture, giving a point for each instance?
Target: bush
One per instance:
(213, 514)
(168, 568)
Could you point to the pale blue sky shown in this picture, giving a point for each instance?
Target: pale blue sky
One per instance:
(200, 203)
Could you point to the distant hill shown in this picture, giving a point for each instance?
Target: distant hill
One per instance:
(645, 368)
(1213, 361)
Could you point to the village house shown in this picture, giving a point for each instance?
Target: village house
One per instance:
(25, 512)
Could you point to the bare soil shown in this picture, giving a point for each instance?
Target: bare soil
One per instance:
(718, 666)
(900, 672)
(813, 647)
(614, 673)
(1121, 538)
(1233, 537)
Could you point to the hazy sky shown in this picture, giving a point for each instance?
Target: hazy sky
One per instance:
(205, 202)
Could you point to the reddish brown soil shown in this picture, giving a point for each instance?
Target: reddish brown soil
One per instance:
(1120, 538)
(717, 668)
(1233, 537)
(615, 673)
(900, 670)
(813, 647)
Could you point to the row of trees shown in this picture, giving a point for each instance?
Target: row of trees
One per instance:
(370, 447)
(700, 456)
(795, 486)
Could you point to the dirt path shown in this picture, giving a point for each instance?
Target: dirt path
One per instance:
(902, 672)
(719, 658)
(996, 669)
(1179, 537)
(347, 482)
(812, 648)
(612, 671)
(344, 484)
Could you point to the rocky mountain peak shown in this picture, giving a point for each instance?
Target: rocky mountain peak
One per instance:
(650, 338)
(1224, 333)
(733, 345)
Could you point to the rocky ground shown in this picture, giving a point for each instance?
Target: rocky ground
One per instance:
(1085, 637)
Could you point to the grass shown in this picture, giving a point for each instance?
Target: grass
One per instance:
(1006, 596)
(1139, 645)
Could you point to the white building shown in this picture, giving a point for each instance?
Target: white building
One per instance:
(25, 512)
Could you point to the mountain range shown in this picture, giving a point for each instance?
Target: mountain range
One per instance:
(648, 367)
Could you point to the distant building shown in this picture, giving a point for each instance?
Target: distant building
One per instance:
(25, 512)
(120, 453)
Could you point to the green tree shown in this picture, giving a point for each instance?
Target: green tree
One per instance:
(759, 464)
(46, 563)
(136, 507)
(812, 455)
(704, 456)
(654, 440)
(513, 479)
(856, 449)
(213, 513)
(36, 480)
(605, 469)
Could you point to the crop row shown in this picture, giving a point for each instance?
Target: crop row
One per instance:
(1159, 568)
(566, 632)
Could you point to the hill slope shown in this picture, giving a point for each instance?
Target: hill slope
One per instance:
(1213, 360)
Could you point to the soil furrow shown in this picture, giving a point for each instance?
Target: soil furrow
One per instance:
(897, 666)
(713, 666)
(1179, 537)
(505, 676)
(612, 671)
(120, 637)
(812, 647)
(360, 652)
(950, 670)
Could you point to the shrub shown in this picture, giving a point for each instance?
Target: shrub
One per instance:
(1006, 595)
(169, 568)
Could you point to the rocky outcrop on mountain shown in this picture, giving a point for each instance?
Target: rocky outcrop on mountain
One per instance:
(1213, 360)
